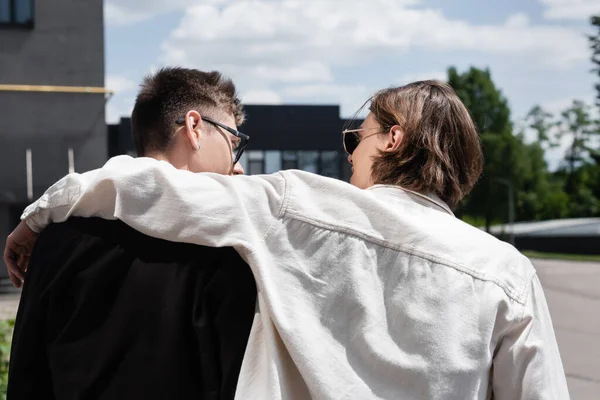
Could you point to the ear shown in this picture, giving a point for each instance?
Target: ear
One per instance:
(192, 128)
(394, 139)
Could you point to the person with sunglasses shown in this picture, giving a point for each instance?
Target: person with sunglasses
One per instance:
(368, 290)
(110, 313)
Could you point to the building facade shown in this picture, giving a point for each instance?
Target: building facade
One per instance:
(52, 98)
(306, 137)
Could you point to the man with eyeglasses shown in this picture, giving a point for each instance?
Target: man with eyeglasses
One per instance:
(109, 313)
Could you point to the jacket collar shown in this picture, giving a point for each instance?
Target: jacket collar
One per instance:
(430, 200)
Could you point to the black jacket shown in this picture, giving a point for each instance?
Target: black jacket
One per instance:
(108, 313)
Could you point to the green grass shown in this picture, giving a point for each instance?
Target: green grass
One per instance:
(6, 330)
(557, 256)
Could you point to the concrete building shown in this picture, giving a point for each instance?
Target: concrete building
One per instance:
(52, 98)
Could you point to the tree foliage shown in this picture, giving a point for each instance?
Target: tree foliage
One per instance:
(516, 156)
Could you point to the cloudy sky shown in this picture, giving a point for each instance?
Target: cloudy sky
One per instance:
(340, 51)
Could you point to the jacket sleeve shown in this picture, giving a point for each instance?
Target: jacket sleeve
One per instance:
(161, 201)
(527, 364)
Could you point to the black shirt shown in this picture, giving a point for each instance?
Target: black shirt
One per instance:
(108, 313)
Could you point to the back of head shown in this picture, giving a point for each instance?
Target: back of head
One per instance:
(168, 94)
(440, 151)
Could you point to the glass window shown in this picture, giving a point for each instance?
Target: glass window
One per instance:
(16, 12)
(308, 161)
(244, 161)
(331, 164)
(256, 162)
(272, 161)
(23, 11)
(5, 14)
(289, 160)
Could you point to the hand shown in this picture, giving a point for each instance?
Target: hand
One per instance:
(19, 245)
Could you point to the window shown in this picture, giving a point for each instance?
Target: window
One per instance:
(244, 161)
(331, 164)
(272, 161)
(289, 160)
(16, 12)
(256, 162)
(308, 161)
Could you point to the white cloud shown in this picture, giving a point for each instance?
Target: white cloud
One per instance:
(115, 15)
(280, 50)
(126, 12)
(517, 21)
(309, 71)
(294, 48)
(327, 90)
(261, 97)
(119, 83)
(571, 9)
(350, 97)
(116, 108)
(121, 103)
(289, 32)
(422, 76)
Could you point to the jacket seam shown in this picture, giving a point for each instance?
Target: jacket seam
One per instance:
(409, 250)
(528, 293)
(282, 209)
(527, 285)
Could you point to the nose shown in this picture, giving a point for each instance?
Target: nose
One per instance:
(350, 158)
(238, 169)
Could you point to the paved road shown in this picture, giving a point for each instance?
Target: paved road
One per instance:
(573, 293)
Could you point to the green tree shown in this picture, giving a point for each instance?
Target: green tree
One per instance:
(541, 195)
(580, 170)
(594, 41)
(542, 123)
(488, 106)
(583, 202)
(490, 112)
(577, 127)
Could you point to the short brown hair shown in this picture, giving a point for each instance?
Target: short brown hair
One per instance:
(169, 94)
(440, 151)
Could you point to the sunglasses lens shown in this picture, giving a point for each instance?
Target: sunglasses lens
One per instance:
(351, 142)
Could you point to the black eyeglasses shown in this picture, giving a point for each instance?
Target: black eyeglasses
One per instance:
(239, 149)
(352, 139)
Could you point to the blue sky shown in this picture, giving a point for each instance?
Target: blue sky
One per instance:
(341, 51)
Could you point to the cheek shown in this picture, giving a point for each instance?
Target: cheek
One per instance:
(220, 152)
(361, 159)
(225, 157)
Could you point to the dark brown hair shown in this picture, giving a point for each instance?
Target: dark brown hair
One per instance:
(440, 151)
(169, 94)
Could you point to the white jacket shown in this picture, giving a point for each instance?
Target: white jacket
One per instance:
(362, 294)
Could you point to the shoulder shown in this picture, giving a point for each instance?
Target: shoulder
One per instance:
(485, 257)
